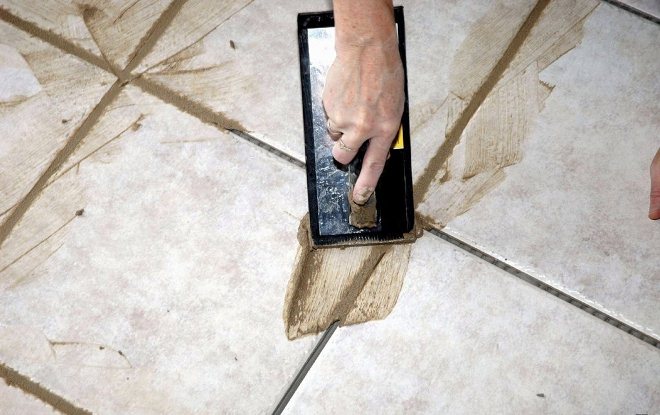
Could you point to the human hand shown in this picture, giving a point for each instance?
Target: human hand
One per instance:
(654, 202)
(364, 94)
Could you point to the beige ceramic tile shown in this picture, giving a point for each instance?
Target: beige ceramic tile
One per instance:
(466, 337)
(44, 96)
(110, 30)
(571, 207)
(14, 401)
(153, 269)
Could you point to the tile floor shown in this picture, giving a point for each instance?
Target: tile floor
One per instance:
(145, 251)
(16, 402)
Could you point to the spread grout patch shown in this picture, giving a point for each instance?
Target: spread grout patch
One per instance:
(496, 95)
(351, 284)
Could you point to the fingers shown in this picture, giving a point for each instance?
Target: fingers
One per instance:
(654, 200)
(372, 167)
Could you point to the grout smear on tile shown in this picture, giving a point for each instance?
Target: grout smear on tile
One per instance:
(352, 284)
(44, 228)
(492, 139)
(118, 28)
(205, 82)
(195, 20)
(61, 18)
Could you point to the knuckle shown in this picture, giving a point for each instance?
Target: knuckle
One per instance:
(373, 166)
(389, 128)
(363, 123)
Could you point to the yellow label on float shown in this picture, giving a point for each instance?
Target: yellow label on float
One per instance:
(398, 143)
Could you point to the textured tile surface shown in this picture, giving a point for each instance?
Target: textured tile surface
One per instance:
(248, 74)
(44, 96)
(466, 337)
(14, 401)
(651, 7)
(573, 210)
(149, 275)
(109, 30)
(165, 294)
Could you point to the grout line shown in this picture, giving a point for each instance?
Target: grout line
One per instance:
(200, 38)
(633, 10)
(147, 43)
(548, 288)
(452, 138)
(54, 39)
(60, 158)
(187, 105)
(28, 386)
(300, 376)
(269, 148)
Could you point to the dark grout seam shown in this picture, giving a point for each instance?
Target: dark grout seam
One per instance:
(275, 151)
(633, 10)
(25, 384)
(187, 105)
(300, 376)
(638, 334)
(149, 40)
(54, 39)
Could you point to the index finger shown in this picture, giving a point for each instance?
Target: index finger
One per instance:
(372, 167)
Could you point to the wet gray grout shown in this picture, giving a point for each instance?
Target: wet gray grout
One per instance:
(300, 376)
(633, 10)
(269, 148)
(442, 235)
(516, 272)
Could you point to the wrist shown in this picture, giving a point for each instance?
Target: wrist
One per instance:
(364, 24)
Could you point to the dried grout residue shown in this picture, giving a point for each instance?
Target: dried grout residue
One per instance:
(128, 33)
(492, 138)
(194, 21)
(352, 284)
(52, 214)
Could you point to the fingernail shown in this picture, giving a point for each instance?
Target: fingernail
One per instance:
(654, 214)
(361, 197)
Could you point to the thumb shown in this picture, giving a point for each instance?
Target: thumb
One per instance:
(654, 202)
